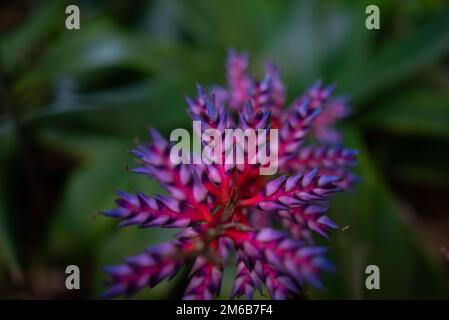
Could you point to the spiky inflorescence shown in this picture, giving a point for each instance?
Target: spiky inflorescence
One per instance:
(227, 208)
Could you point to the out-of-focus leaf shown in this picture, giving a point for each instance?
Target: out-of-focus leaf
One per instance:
(213, 24)
(401, 59)
(311, 34)
(161, 19)
(42, 18)
(125, 111)
(417, 112)
(379, 235)
(93, 47)
(77, 225)
(96, 49)
(419, 161)
(8, 257)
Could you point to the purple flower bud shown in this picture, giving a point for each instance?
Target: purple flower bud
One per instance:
(274, 185)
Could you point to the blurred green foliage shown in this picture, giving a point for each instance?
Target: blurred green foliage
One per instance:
(75, 99)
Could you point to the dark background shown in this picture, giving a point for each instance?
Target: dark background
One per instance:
(72, 103)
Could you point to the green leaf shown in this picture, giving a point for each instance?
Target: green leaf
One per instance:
(126, 111)
(401, 59)
(77, 226)
(414, 161)
(8, 256)
(245, 25)
(380, 235)
(97, 50)
(95, 46)
(15, 45)
(417, 112)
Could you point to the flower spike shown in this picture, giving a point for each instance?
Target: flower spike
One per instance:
(229, 212)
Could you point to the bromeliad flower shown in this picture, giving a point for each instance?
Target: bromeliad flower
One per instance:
(230, 211)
